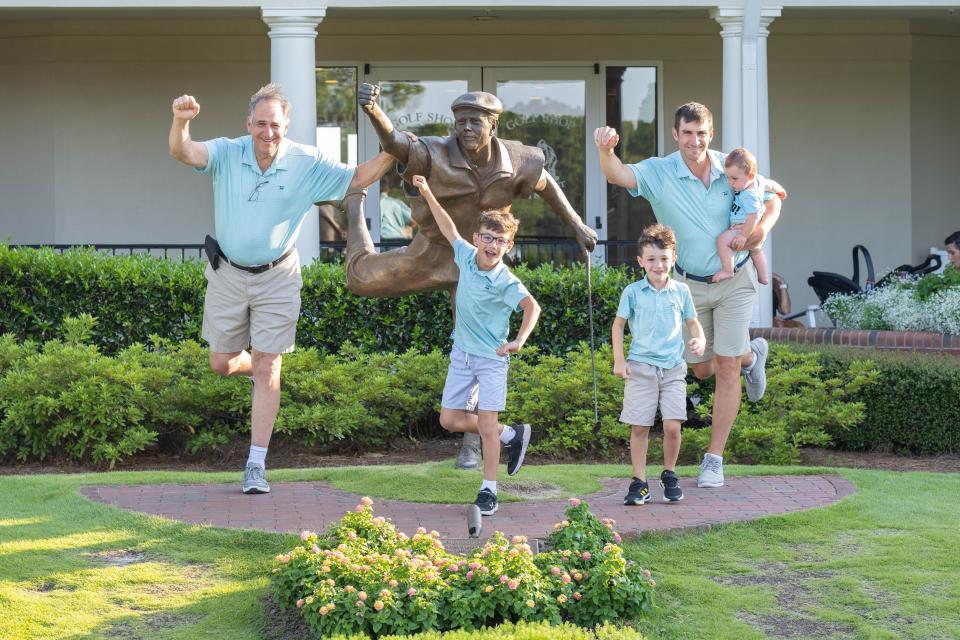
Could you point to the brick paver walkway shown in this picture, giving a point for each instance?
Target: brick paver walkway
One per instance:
(294, 506)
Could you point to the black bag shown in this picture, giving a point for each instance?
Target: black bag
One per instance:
(212, 248)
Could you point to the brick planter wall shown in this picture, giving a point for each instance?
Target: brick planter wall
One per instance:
(920, 341)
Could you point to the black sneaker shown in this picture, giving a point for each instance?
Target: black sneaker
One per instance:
(487, 501)
(671, 486)
(517, 448)
(638, 493)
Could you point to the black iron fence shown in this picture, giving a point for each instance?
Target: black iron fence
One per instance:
(527, 251)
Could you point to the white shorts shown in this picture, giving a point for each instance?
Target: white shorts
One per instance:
(475, 382)
(649, 386)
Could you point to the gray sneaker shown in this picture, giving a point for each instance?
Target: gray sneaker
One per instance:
(756, 379)
(254, 480)
(711, 472)
(469, 455)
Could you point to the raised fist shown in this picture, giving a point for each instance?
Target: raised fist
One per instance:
(367, 95)
(186, 108)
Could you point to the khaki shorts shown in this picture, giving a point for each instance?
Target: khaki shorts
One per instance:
(649, 386)
(258, 310)
(724, 309)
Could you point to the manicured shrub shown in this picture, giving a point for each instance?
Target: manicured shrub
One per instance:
(363, 576)
(134, 297)
(69, 400)
(913, 408)
(804, 404)
(519, 631)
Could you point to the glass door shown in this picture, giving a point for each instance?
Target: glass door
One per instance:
(547, 107)
(417, 99)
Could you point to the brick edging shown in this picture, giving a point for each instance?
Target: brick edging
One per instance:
(919, 341)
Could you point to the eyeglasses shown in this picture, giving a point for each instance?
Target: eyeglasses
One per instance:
(486, 238)
(255, 194)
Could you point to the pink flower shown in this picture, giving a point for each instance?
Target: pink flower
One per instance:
(617, 538)
(378, 521)
(574, 502)
(411, 591)
(304, 535)
(378, 605)
(469, 575)
(365, 501)
(513, 584)
(585, 555)
(362, 595)
(421, 530)
(324, 610)
(484, 569)
(349, 588)
(315, 549)
(359, 508)
(577, 596)
(646, 573)
(393, 584)
(503, 578)
(565, 579)
(300, 603)
(555, 570)
(384, 593)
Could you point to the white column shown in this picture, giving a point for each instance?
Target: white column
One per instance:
(731, 21)
(745, 118)
(293, 34)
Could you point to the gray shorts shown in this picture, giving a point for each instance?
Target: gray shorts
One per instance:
(258, 310)
(649, 385)
(474, 382)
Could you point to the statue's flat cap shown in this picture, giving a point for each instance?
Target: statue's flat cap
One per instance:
(479, 100)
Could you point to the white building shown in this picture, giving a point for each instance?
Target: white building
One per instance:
(845, 103)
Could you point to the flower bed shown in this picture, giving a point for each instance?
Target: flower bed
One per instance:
(931, 303)
(364, 576)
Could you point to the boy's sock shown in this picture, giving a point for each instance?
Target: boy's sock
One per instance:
(489, 484)
(507, 434)
(258, 455)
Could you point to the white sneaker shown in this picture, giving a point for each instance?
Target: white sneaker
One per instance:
(756, 379)
(711, 471)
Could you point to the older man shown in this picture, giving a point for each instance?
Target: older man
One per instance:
(689, 193)
(469, 172)
(263, 187)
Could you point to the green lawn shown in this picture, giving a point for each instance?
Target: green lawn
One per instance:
(883, 563)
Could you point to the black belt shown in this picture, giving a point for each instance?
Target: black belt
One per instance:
(259, 268)
(707, 279)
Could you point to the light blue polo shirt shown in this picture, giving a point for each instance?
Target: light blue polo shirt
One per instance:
(485, 301)
(748, 201)
(258, 214)
(656, 321)
(696, 214)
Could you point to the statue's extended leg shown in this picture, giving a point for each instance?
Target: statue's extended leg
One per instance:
(421, 266)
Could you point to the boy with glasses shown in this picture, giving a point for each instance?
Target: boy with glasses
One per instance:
(486, 295)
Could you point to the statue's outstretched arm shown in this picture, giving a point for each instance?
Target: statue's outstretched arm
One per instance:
(393, 142)
(548, 189)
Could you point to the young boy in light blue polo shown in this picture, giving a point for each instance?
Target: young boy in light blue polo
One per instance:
(656, 308)
(487, 294)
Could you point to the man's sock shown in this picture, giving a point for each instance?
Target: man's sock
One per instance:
(713, 455)
(507, 434)
(258, 455)
(750, 368)
(489, 484)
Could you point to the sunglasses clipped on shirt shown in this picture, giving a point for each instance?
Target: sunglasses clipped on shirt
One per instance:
(486, 238)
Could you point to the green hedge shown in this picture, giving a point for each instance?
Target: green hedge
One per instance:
(913, 408)
(65, 398)
(134, 297)
(519, 631)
